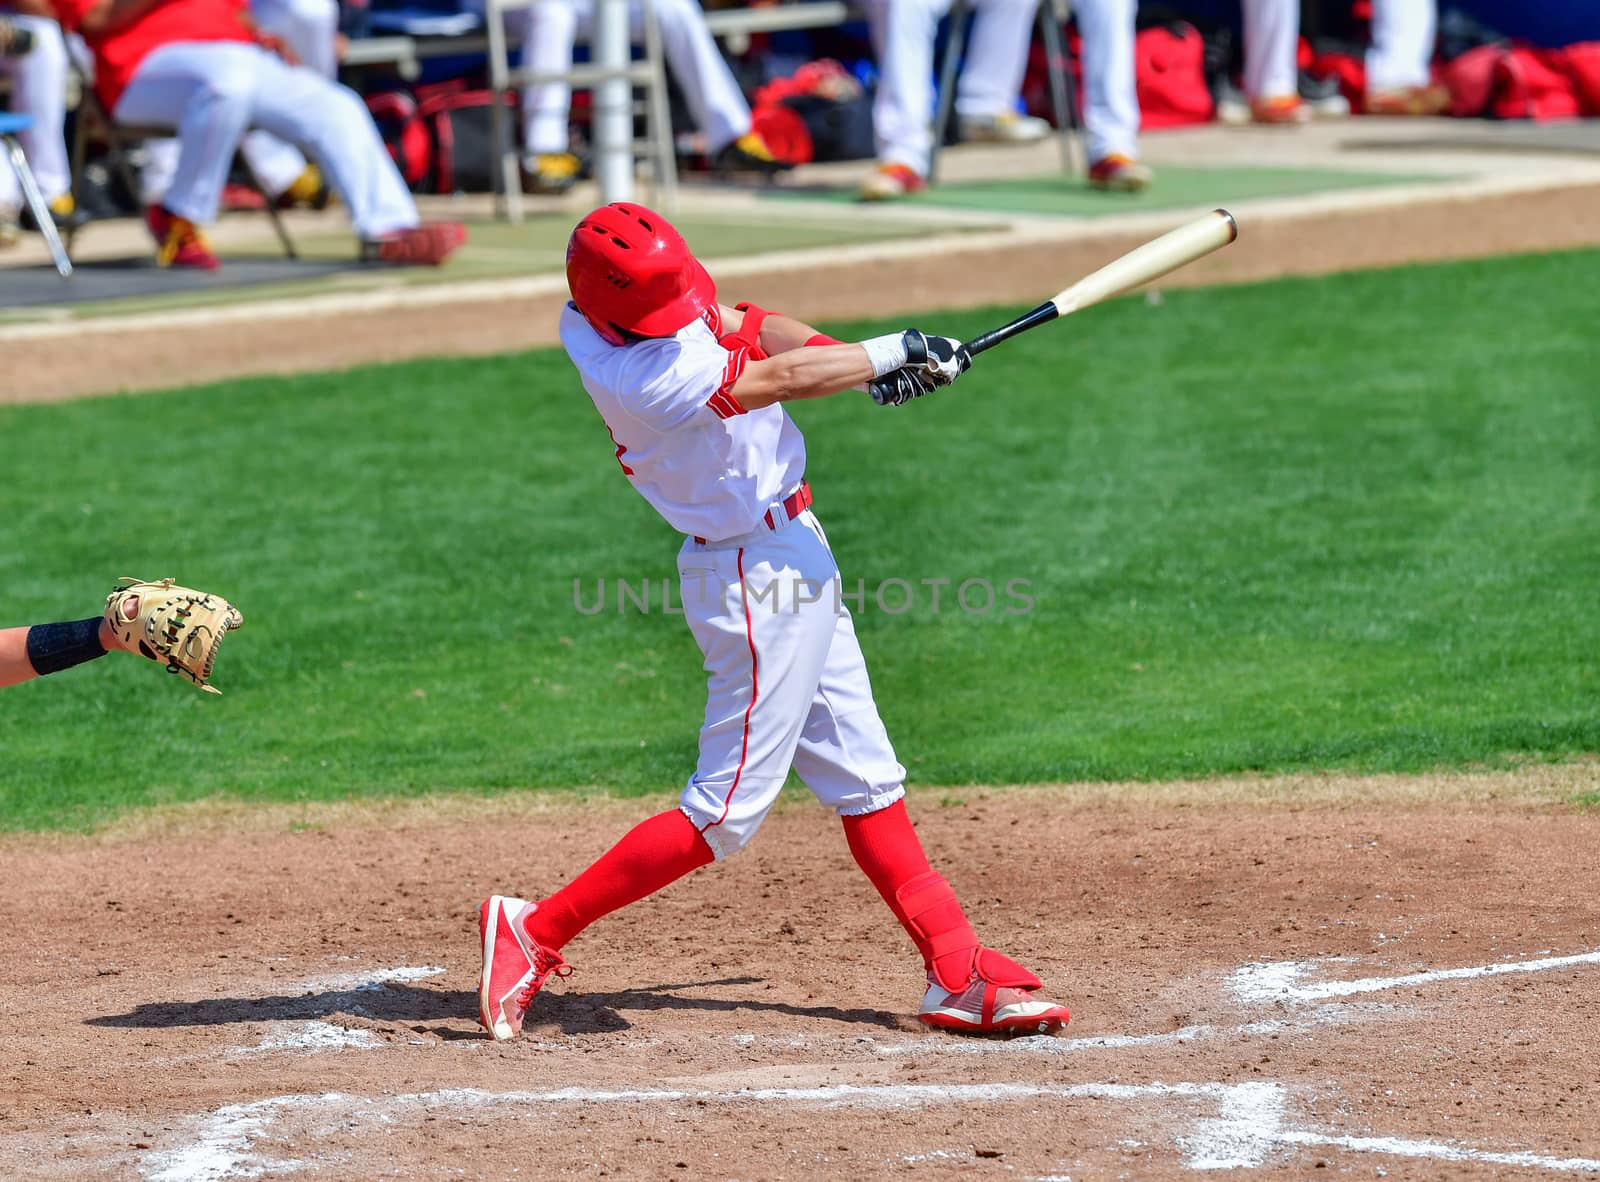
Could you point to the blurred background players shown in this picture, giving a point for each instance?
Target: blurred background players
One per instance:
(1110, 95)
(197, 65)
(309, 28)
(548, 30)
(903, 33)
(33, 55)
(1398, 73)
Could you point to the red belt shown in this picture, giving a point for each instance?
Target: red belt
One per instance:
(794, 504)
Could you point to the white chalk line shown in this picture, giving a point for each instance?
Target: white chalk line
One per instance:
(1275, 981)
(1249, 1123)
(1440, 1151)
(1248, 1126)
(1056, 1045)
(372, 980)
(1241, 1135)
(311, 1036)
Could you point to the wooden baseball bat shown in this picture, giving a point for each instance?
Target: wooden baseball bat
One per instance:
(1154, 259)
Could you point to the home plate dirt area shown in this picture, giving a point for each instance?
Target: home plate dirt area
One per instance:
(1367, 982)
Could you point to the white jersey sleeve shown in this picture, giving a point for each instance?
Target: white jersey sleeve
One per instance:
(673, 380)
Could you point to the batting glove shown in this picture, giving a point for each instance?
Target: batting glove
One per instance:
(942, 358)
(900, 387)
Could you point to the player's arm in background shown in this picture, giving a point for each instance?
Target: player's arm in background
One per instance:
(53, 646)
(803, 363)
(95, 18)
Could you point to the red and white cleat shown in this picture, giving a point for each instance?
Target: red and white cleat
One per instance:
(1120, 174)
(989, 994)
(515, 965)
(891, 181)
(986, 1008)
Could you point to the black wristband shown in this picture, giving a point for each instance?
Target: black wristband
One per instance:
(54, 647)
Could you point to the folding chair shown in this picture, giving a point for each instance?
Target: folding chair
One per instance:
(1063, 99)
(10, 125)
(93, 121)
(648, 73)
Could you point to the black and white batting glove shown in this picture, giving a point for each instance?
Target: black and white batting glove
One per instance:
(942, 358)
(901, 386)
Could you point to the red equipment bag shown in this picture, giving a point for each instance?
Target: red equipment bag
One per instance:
(1531, 84)
(460, 124)
(1170, 65)
(408, 141)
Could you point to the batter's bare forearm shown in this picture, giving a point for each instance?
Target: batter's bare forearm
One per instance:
(802, 373)
(780, 334)
(34, 8)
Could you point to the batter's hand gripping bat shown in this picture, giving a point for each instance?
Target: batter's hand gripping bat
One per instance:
(1140, 265)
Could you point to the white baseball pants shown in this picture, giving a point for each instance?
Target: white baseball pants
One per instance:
(39, 80)
(786, 684)
(1271, 46)
(213, 92)
(1402, 44)
(306, 26)
(548, 30)
(1110, 89)
(991, 76)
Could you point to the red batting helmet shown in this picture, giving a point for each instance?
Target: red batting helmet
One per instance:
(629, 271)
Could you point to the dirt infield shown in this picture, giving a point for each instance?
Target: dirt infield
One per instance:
(1362, 976)
(909, 277)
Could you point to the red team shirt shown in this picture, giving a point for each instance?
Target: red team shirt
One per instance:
(117, 55)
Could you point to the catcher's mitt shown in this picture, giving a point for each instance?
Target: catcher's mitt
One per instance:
(176, 625)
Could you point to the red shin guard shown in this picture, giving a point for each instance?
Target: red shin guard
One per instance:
(651, 855)
(887, 849)
(950, 946)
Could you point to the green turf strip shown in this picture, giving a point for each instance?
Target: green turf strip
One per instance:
(1175, 185)
(1346, 522)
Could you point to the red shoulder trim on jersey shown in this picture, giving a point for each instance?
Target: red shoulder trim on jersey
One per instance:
(722, 402)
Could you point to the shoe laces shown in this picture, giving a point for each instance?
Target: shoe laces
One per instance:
(546, 964)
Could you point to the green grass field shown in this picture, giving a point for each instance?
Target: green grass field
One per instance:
(1334, 523)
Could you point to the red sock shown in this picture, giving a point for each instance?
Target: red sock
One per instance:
(889, 852)
(652, 854)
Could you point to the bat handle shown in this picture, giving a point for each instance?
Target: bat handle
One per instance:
(1044, 312)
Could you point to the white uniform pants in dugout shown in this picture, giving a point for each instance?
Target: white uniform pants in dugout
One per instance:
(786, 684)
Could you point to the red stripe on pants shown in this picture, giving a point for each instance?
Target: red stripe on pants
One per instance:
(744, 751)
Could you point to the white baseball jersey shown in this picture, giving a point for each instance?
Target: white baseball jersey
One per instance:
(708, 466)
(787, 686)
